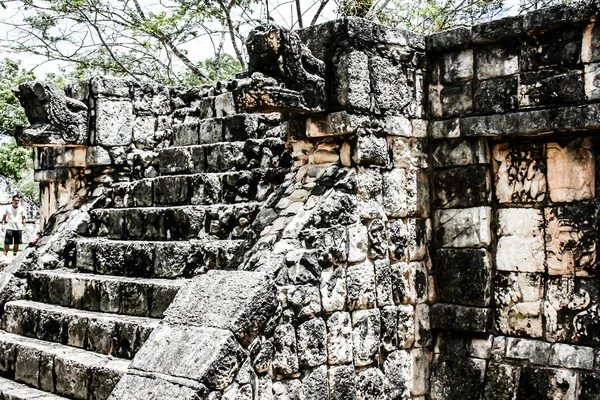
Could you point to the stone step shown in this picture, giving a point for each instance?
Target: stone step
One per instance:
(197, 189)
(158, 259)
(222, 157)
(111, 334)
(231, 128)
(56, 368)
(11, 390)
(112, 294)
(227, 221)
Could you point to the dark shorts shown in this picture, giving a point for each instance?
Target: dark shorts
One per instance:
(13, 236)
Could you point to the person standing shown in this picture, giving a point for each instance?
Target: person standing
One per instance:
(15, 219)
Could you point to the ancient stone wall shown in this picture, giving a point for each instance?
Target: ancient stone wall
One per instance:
(514, 119)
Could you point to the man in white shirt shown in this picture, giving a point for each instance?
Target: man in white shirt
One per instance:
(15, 219)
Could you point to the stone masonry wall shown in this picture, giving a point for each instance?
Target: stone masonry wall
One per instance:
(514, 119)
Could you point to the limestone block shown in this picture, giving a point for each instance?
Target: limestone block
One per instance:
(72, 377)
(571, 240)
(407, 318)
(110, 86)
(389, 328)
(534, 351)
(285, 360)
(463, 276)
(185, 134)
(371, 150)
(370, 192)
(520, 235)
(519, 173)
(316, 385)
(422, 322)
(405, 193)
(590, 49)
(210, 131)
(357, 242)
(460, 318)
(305, 300)
(27, 366)
(334, 124)
(114, 122)
(570, 311)
(449, 153)
(239, 301)
(502, 381)
(518, 301)
(366, 333)
(466, 186)
(496, 95)
(409, 238)
(342, 384)
(333, 289)
(390, 85)
(571, 170)
(97, 155)
(289, 389)
(370, 384)
(569, 356)
(592, 81)
(549, 87)
(143, 131)
(360, 284)
(224, 105)
(408, 153)
(174, 160)
(398, 125)
(467, 227)
(383, 282)
(457, 66)
(421, 359)
(311, 342)
(456, 100)
(403, 283)
(457, 378)
(354, 84)
(495, 61)
(170, 190)
(339, 338)
(557, 383)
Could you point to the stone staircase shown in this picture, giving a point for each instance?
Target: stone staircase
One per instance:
(78, 330)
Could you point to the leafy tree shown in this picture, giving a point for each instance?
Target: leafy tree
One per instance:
(11, 112)
(14, 160)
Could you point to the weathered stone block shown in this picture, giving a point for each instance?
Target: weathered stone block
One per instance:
(370, 192)
(239, 301)
(496, 95)
(357, 243)
(450, 153)
(520, 244)
(495, 61)
(550, 88)
(342, 383)
(560, 47)
(371, 150)
(553, 383)
(172, 190)
(316, 384)
(463, 276)
(518, 301)
(339, 338)
(135, 387)
(519, 173)
(390, 85)
(305, 300)
(405, 193)
(370, 384)
(502, 381)
(366, 333)
(569, 356)
(571, 240)
(456, 101)
(285, 360)
(311, 342)
(460, 318)
(114, 122)
(360, 284)
(571, 170)
(185, 134)
(534, 351)
(333, 289)
(143, 131)
(459, 378)
(592, 81)
(409, 238)
(398, 369)
(354, 84)
(468, 227)
(404, 289)
(383, 282)
(457, 66)
(569, 310)
(468, 186)
(224, 105)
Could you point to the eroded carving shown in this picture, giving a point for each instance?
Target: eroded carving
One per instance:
(284, 76)
(54, 118)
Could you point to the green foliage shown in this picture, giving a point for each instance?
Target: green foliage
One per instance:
(11, 112)
(15, 160)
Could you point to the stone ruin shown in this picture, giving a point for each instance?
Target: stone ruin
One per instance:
(368, 213)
